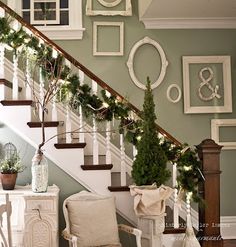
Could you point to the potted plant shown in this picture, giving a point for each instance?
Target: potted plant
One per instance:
(9, 168)
(150, 171)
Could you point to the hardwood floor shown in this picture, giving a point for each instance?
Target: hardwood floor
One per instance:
(230, 243)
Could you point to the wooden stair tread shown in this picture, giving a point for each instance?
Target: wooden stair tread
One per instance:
(172, 230)
(46, 124)
(16, 102)
(118, 188)
(69, 145)
(8, 84)
(229, 243)
(97, 167)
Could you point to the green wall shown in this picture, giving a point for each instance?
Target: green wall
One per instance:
(190, 128)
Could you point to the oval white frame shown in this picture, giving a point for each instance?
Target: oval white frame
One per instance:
(179, 93)
(109, 5)
(164, 62)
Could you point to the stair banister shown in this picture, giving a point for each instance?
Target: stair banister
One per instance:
(81, 67)
(209, 216)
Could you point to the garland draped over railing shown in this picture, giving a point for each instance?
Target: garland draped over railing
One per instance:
(104, 107)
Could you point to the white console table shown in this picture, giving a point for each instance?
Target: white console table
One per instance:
(34, 218)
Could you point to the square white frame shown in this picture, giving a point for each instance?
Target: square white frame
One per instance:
(215, 131)
(42, 22)
(96, 24)
(225, 61)
(126, 12)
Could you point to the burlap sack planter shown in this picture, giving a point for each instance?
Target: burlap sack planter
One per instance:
(150, 200)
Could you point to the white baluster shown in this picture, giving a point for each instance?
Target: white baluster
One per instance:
(135, 151)
(95, 138)
(15, 82)
(54, 108)
(176, 205)
(68, 126)
(81, 131)
(2, 12)
(41, 92)
(188, 206)
(108, 143)
(28, 85)
(2, 60)
(122, 163)
(81, 123)
(81, 77)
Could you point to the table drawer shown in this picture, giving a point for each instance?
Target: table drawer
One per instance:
(46, 205)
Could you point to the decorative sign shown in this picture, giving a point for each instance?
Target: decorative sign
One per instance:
(206, 82)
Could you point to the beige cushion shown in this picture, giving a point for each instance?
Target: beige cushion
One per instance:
(93, 219)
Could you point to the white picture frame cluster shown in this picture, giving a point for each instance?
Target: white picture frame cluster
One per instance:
(215, 132)
(96, 24)
(111, 5)
(226, 68)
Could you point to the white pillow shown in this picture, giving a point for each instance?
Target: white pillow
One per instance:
(93, 219)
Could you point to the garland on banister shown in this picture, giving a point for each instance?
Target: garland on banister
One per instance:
(105, 107)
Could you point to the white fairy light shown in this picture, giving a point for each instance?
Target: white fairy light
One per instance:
(54, 53)
(187, 168)
(105, 104)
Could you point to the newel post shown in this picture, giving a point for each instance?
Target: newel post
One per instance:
(209, 214)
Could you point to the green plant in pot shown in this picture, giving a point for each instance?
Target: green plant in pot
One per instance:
(149, 171)
(10, 167)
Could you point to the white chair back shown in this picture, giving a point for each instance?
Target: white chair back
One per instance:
(6, 208)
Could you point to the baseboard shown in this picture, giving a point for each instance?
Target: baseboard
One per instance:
(228, 227)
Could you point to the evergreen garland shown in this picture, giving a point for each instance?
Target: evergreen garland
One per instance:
(106, 108)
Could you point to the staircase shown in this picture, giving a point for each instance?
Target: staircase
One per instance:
(88, 155)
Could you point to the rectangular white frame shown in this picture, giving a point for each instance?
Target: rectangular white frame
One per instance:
(127, 12)
(225, 61)
(95, 39)
(41, 22)
(215, 131)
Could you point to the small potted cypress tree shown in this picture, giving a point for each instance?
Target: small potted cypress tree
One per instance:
(150, 171)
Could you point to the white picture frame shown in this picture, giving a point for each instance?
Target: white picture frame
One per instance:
(96, 24)
(215, 132)
(130, 62)
(226, 70)
(33, 21)
(110, 12)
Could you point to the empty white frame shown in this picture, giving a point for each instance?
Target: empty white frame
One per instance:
(95, 39)
(226, 69)
(215, 131)
(164, 62)
(126, 12)
(168, 93)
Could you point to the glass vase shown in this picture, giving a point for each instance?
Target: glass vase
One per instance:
(39, 171)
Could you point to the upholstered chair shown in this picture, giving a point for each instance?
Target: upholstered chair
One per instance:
(91, 221)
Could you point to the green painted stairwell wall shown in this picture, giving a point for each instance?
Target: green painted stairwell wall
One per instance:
(190, 128)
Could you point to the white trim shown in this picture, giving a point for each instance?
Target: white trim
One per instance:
(73, 31)
(228, 227)
(225, 61)
(95, 39)
(189, 23)
(126, 12)
(164, 62)
(215, 132)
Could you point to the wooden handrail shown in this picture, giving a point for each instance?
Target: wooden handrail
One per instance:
(77, 64)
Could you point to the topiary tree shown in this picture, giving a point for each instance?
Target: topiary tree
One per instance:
(150, 163)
